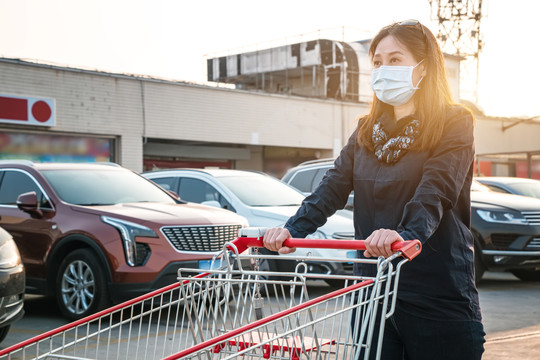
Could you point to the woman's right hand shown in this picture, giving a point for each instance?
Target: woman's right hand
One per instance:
(379, 243)
(273, 240)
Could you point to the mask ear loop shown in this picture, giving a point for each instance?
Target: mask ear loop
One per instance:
(419, 81)
(422, 78)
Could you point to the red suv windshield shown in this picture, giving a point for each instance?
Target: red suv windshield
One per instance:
(103, 187)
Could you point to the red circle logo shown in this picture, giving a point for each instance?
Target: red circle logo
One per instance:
(41, 111)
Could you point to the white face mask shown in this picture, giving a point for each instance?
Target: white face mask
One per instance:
(393, 84)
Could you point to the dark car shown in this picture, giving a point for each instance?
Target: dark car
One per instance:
(306, 176)
(512, 185)
(11, 283)
(506, 228)
(96, 234)
(507, 232)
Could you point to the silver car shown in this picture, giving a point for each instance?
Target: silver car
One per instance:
(265, 202)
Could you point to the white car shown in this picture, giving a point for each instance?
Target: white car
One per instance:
(264, 201)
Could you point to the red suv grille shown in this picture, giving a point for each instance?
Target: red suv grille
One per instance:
(200, 238)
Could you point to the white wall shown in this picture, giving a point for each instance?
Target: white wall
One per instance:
(240, 117)
(492, 139)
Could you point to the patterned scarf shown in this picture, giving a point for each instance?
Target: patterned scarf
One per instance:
(391, 140)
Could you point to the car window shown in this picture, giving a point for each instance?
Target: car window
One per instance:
(303, 180)
(194, 190)
(528, 189)
(167, 183)
(318, 177)
(15, 183)
(199, 191)
(260, 190)
(103, 187)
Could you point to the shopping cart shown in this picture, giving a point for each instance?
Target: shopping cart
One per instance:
(231, 312)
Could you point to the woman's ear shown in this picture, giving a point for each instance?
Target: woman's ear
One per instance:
(423, 69)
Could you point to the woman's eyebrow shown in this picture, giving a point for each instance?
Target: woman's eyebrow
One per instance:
(389, 54)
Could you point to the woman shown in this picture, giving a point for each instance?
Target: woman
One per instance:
(410, 164)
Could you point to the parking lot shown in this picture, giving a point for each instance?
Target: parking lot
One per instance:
(511, 317)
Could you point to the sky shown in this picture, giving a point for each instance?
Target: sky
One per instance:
(172, 38)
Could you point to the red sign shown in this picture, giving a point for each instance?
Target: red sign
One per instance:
(26, 110)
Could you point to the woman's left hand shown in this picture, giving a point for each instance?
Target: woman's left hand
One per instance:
(379, 243)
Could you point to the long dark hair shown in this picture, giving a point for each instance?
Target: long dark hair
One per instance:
(431, 100)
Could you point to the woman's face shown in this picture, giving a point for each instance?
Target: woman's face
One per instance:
(390, 52)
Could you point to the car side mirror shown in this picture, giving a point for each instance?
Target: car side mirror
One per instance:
(28, 203)
(174, 194)
(213, 203)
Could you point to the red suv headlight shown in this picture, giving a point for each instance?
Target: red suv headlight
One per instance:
(129, 230)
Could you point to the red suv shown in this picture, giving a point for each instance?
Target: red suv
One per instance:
(95, 234)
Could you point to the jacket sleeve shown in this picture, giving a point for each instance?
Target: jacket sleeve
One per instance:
(444, 175)
(331, 194)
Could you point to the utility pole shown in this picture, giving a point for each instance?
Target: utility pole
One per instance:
(459, 34)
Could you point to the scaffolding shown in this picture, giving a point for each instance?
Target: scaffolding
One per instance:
(459, 34)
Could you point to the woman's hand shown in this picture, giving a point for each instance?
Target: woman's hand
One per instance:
(273, 240)
(379, 243)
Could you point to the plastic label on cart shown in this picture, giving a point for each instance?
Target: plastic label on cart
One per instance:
(207, 264)
(351, 254)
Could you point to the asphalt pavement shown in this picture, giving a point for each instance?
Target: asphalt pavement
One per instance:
(512, 323)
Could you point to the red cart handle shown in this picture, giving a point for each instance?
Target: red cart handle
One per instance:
(409, 249)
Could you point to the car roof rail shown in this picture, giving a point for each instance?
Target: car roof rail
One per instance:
(173, 169)
(18, 162)
(32, 163)
(317, 161)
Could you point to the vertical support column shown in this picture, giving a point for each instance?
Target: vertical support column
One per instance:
(303, 85)
(529, 165)
(313, 80)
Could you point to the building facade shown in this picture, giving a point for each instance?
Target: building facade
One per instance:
(144, 123)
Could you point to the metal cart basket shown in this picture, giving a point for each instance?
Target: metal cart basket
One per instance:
(232, 311)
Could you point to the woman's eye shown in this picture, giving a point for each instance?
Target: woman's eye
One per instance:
(394, 61)
(376, 64)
